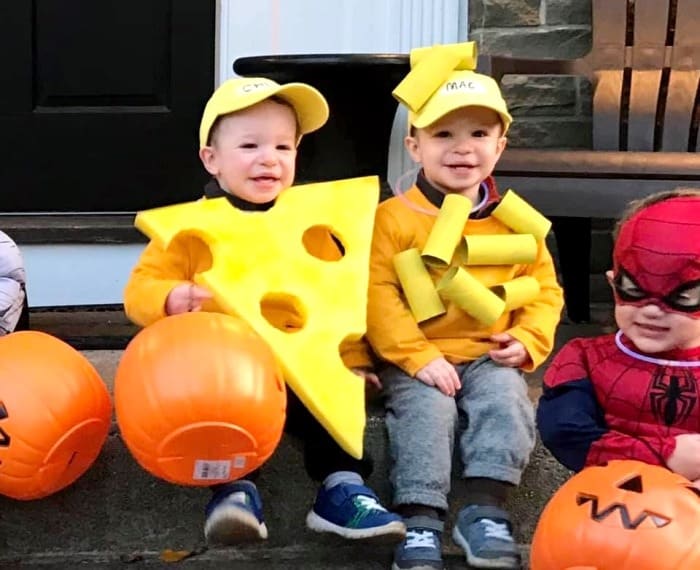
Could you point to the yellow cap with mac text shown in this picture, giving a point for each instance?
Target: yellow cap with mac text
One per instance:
(462, 88)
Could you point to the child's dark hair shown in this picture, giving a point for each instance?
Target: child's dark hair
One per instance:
(275, 98)
(638, 205)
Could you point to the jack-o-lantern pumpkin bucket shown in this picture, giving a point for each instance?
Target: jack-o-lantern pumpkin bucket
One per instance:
(55, 413)
(626, 515)
(200, 399)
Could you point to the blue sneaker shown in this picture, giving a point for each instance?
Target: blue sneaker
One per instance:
(234, 515)
(422, 547)
(353, 511)
(485, 534)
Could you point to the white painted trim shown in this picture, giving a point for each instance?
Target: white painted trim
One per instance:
(266, 27)
(220, 41)
(85, 274)
(423, 23)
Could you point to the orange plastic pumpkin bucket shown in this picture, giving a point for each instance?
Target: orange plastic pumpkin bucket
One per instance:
(200, 399)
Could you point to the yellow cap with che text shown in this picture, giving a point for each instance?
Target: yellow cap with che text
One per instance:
(240, 93)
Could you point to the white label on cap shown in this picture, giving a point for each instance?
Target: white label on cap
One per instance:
(211, 470)
(468, 85)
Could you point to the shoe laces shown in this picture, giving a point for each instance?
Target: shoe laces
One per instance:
(367, 503)
(493, 529)
(238, 497)
(420, 539)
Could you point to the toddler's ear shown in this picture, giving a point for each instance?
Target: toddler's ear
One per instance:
(208, 158)
(501, 146)
(411, 144)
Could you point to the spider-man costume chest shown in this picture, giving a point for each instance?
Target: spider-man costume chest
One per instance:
(642, 398)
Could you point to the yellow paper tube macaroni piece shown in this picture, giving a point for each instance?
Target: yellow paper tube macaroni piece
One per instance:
(471, 296)
(500, 249)
(518, 215)
(262, 268)
(418, 287)
(517, 292)
(461, 253)
(425, 77)
(447, 231)
(467, 52)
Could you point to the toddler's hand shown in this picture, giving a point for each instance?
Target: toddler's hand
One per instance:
(186, 298)
(685, 459)
(369, 376)
(512, 352)
(442, 375)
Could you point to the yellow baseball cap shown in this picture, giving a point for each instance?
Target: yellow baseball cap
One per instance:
(241, 92)
(463, 88)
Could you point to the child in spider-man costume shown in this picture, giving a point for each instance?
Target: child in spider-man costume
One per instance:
(635, 394)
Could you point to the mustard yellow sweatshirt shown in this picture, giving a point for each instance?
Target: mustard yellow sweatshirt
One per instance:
(398, 338)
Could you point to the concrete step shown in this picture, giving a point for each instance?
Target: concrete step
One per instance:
(118, 513)
(320, 557)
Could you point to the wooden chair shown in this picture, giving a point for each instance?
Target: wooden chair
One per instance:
(645, 67)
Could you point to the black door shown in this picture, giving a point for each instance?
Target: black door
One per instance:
(100, 102)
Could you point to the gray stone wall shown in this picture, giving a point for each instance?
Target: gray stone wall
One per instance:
(549, 111)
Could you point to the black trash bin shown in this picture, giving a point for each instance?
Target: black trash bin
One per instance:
(355, 140)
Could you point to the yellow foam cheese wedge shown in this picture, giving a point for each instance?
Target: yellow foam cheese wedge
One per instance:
(264, 264)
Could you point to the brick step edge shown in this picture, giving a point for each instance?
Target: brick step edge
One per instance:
(85, 327)
(106, 327)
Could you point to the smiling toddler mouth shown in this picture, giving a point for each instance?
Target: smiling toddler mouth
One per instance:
(654, 328)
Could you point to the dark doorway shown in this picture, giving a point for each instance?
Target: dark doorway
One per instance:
(100, 102)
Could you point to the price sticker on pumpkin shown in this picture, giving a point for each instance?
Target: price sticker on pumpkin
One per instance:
(207, 470)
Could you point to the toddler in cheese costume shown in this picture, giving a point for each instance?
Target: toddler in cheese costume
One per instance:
(249, 134)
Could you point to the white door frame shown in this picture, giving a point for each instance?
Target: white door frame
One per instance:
(271, 27)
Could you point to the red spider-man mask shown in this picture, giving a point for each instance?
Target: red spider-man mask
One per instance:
(657, 256)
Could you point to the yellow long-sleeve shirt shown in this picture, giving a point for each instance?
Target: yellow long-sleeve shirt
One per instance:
(393, 331)
(158, 271)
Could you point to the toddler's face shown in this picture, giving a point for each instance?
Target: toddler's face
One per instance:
(653, 328)
(460, 150)
(253, 153)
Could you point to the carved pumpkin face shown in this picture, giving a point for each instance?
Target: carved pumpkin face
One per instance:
(626, 515)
